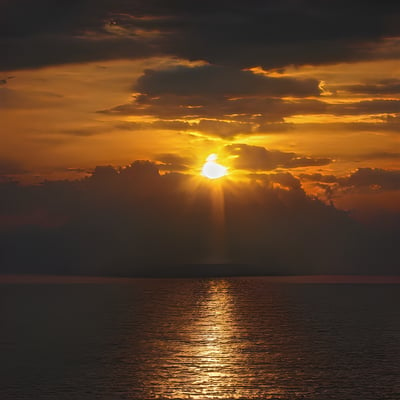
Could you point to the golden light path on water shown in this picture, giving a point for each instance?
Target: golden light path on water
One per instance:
(208, 352)
(205, 357)
(212, 337)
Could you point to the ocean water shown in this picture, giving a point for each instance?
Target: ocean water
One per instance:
(237, 338)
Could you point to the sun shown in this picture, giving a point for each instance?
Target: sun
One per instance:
(213, 170)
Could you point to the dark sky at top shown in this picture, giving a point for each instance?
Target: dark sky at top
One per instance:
(252, 33)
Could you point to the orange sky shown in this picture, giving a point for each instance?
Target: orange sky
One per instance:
(52, 127)
(126, 82)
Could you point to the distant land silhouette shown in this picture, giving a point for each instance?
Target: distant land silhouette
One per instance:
(203, 271)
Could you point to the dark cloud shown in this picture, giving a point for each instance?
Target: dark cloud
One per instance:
(67, 32)
(271, 34)
(40, 51)
(373, 177)
(218, 115)
(256, 110)
(258, 158)
(21, 18)
(219, 81)
(215, 96)
(226, 117)
(120, 219)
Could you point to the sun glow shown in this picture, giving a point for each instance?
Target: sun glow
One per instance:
(213, 170)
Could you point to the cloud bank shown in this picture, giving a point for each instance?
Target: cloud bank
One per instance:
(117, 221)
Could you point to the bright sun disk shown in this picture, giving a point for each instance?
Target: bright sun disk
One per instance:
(213, 170)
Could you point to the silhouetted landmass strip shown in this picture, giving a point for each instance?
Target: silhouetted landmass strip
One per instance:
(198, 271)
(203, 271)
(189, 270)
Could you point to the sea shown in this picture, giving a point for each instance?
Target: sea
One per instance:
(203, 338)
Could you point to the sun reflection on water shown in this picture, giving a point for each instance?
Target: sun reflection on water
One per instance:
(208, 340)
(208, 356)
(213, 338)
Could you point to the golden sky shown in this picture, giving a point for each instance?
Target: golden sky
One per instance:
(59, 122)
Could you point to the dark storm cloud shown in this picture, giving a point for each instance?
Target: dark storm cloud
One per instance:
(373, 177)
(211, 80)
(258, 158)
(118, 220)
(22, 18)
(244, 102)
(40, 51)
(40, 33)
(218, 114)
(271, 34)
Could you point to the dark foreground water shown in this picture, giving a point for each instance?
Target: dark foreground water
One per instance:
(200, 339)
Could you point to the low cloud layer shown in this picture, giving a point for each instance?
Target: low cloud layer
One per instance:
(118, 220)
(377, 178)
(362, 178)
